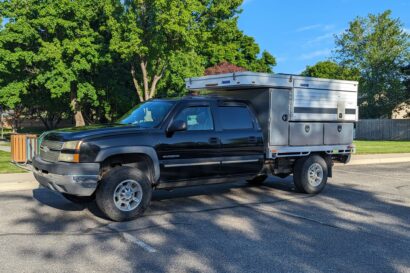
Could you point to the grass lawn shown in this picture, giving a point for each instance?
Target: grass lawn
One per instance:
(381, 147)
(6, 166)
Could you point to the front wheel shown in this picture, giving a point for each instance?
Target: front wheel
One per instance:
(124, 194)
(310, 174)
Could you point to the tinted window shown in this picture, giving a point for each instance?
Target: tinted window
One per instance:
(197, 118)
(235, 117)
(149, 114)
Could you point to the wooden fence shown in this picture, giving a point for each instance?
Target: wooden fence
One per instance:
(383, 129)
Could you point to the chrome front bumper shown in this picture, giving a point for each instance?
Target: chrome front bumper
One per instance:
(72, 178)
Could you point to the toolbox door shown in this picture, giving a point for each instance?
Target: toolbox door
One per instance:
(338, 133)
(279, 117)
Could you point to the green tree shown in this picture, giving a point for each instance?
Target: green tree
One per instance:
(52, 48)
(331, 70)
(87, 58)
(378, 47)
(221, 40)
(406, 105)
(173, 39)
(147, 34)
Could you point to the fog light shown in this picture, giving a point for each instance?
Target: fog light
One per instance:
(69, 157)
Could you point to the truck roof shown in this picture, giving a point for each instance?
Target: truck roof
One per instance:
(209, 97)
(252, 80)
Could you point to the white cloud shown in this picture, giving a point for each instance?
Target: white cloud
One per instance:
(309, 27)
(246, 2)
(316, 53)
(320, 39)
(320, 27)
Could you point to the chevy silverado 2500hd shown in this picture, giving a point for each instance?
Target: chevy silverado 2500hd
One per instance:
(248, 125)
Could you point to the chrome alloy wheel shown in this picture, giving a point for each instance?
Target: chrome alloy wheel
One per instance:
(315, 174)
(128, 195)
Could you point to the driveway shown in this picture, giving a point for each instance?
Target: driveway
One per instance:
(360, 223)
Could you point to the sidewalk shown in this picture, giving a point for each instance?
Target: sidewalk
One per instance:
(3, 147)
(17, 182)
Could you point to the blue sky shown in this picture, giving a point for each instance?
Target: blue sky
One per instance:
(300, 32)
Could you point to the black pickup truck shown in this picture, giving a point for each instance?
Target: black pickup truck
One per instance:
(166, 143)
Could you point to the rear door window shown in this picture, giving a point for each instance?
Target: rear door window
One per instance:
(235, 117)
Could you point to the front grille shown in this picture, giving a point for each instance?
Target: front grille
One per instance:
(52, 145)
(50, 150)
(51, 155)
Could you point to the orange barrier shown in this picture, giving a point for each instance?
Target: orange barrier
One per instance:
(23, 147)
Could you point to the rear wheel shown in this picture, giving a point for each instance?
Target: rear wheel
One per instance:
(78, 199)
(310, 174)
(124, 194)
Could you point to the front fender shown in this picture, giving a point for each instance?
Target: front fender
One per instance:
(149, 151)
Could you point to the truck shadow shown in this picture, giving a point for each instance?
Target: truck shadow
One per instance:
(55, 200)
(285, 185)
(222, 226)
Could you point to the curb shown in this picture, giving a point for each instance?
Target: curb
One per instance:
(379, 159)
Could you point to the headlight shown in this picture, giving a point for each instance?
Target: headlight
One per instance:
(70, 151)
(69, 157)
(72, 145)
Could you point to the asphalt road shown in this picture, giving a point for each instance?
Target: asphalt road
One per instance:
(360, 223)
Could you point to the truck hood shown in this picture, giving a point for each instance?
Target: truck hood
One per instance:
(84, 132)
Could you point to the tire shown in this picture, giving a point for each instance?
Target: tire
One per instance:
(124, 194)
(78, 199)
(310, 174)
(257, 180)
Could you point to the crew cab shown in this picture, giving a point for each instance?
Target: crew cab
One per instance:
(234, 133)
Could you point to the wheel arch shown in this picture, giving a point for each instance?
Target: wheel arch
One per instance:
(329, 162)
(142, 157)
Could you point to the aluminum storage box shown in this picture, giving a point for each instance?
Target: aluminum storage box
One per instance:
(311, 99)
(296, 113)
(338, 133)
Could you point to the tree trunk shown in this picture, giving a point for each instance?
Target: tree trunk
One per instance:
(15, 123)
(45, 123)
(136, 85)
(78, 117)
(143, 66)
(155, 82)
(149, 88)
(75, 107)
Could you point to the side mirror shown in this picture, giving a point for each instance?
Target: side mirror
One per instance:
(177, 125)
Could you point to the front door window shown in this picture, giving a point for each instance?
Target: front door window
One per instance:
(198, 118)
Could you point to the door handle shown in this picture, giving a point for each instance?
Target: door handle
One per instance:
(252, 139)
(214, 140)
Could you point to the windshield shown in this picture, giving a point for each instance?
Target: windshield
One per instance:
(147, 115)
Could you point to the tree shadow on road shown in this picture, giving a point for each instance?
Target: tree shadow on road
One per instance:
(225, 228)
